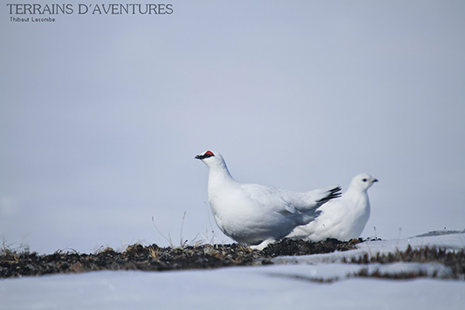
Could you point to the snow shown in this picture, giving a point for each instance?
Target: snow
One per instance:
(289, 283)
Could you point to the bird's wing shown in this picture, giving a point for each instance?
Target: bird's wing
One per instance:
(289, 202)
(269, 197)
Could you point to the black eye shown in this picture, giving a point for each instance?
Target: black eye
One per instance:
(364, 180)
(208, 154)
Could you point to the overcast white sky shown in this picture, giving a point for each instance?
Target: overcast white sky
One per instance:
(101, 116)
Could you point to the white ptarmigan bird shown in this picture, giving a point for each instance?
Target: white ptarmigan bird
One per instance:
(343, 218)
(258, 215)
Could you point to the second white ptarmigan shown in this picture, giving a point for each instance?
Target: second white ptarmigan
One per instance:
(254, 214)
(343, 218)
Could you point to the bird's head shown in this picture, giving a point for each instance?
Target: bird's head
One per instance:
(363, 181)
(211, 159)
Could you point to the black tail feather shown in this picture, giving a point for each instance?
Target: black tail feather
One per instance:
(333, 193)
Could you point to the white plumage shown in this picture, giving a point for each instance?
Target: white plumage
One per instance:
(343, 218)
(256, 214)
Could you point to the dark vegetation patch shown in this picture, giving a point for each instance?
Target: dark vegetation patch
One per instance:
(154, 258)
(288, 247)
(404, 275)
(441, 233)
(455, 260)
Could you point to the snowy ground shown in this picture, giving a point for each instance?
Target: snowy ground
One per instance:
(291, 282)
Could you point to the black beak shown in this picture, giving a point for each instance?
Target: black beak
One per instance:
(375, 180)
(199, 157)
